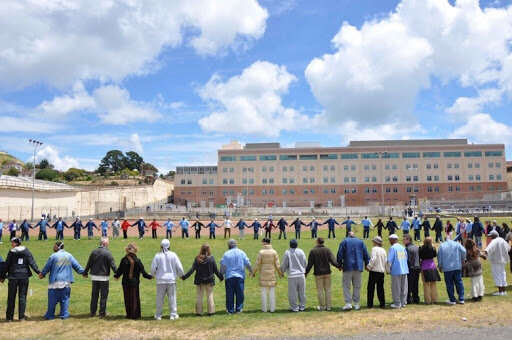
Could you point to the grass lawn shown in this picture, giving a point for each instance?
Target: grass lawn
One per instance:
(252, 323)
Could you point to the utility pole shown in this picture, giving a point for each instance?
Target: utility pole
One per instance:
(381, 155)
(35, 144)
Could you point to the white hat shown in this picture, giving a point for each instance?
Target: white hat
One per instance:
(313, 218)
(141, 218)
(165, 244)
(494, 233)
(255, 219)
(393, 237)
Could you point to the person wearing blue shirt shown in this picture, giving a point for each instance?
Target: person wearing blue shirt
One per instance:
(282, 224)
(60, 268)
(1, 229)
(416, 226)
(184, 224)
(450, 257)
(89, 226)
(232, 266)
(331, 224)
(348, 223)
(241, 225)
(366, 227)
(313, 225)
(398, 268)
(59, 226)
(352, 257)
(168, 227)
(256, 225)
(405, 226)
(476, 230)
(297, 224)
(42, 229)
(141, 225)
(25, 227)
(211, 226)
(104, 227)
(77, 228)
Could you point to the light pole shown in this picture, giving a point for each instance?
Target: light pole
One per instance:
(35, 144)
(381, 155)
(245, 170)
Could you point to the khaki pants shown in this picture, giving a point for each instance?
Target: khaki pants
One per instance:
(323, 288)
(208, 288)
(227, 231)
(429, 290)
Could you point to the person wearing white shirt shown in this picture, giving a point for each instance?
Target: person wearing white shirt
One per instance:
(377, 268)
(227, 224)
(116, 225)
(497, 252)
(165, 268)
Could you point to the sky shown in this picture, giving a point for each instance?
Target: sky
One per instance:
(174, 80)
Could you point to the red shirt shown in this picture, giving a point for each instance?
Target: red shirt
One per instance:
(154, 225)
(125, 225)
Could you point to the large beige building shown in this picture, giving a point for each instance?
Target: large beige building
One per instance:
(363, 173)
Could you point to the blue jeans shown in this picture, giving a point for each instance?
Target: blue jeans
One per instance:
(56, 296)
(60, 235)
(234, 287)
(454, 278)
(77, 235)
(103, 232)
(478, 241)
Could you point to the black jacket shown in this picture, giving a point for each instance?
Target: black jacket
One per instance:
(100, 262)
(391, 226)
(18, 263)
(124, 270)
(205, 271)
(426, 226)
(321, 258)
(438, 226)
(427, 252)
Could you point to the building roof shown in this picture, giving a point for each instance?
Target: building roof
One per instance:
(255, 146)
(409, 142)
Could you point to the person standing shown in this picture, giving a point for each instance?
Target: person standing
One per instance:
(366, 227)
(1, 230)
(60, 268)
(391, 226)
(241, 225)
(168, 228)
(125, 225)
(154, 225)
(313, 225)
(331, 224)
(227, 224)
(77, 227)
(398, 268)
(405, 226)
(206, 268)
(141, 226)
(461, 230)
(282, 224)
(59, 225)
(294, 263)
(438, 229)
(184, 224)
(116, 225)
(268, 264)
(298, 225)
(379, 227)
(166, 267)
(348, 223)
(497, 252)
(13, 227)
(130, 268)
(232, 267)
(197, 228)
(476, 231)
(429, 273)
(448, 229)
(99, 264)
(17, 270)
(104, 227)
(473, 268)
(416, 226)
(352, 258)
(321, 258)
(257, 226)
(450, 257)
(413, 262)
(377, 268)
(90, 225)
(25, 227)
(268, 225)
(426, 226)
(211, 226)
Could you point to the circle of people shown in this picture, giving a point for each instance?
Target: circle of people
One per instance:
(458, 256)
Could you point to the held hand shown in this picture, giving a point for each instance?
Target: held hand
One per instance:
(116, 278)
(41, 276)
(85, 276)
(183, 278)
(2, 280)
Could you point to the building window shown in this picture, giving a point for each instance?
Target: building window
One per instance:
(271, 169)
(471, 178)
(374, 190)
(478, 188)
(449, 165)
(284, 191)
(436, 166)
(292, 191)
(429, 166)
(330, 156)
(456, 165)
(472, 153)
(374, 167)
(470, 165)
(264, 169)
(333, 191)
(429, 189)
(326, 191)
(436, 178)
(244, 180)
(394, 166)
(493, 154)
(491, 177)
(498, 165)
(268, 157)
(345, 167)
(429, 178)
(347, 191)
(415, 178)
(395, 178)
(264, 180)
(292, 180)
(388, 190)
(477, 177)
(308, 157)
(409, 189)
(498, 177)
(182, 181)
(457, 189)
(410, 155)
(228, 158)
(224, 192)
(352, 179)
(367, 190)
(311, 180)
(367, 179)
(247, 158)
(450, 189)
(416, 189)
(436, 189)
(348, 156)
(271, 180)
(288, 157)
(325, 168)
(457, 177)
(264, 191)
(451, 154)
(366, 167)
(450, 177)
(333, 179)
(477, 165)
(305, 191)
(354, 191)
(369, 155)
(374, 179)
(353, 168)
(491, 165)
(387, 167)
(231, 181)
(285, 180)
(189, 181)
(395, 189)
(271, 191)
(388, 179)
(205, 181)
(326, 180)
(210, 181)
(251, 180)
(312, 168)
(304, 180)
(333, 167)
(471, 188)
(212, 192)
(346, 179)
(431, 154)
(408, 178)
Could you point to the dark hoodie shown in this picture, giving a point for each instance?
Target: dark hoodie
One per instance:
(18, 263)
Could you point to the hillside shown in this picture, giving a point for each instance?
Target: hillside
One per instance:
(5, 158)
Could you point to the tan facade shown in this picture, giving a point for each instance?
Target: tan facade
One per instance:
(362, 173)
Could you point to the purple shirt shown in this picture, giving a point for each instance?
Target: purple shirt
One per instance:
(428, 264)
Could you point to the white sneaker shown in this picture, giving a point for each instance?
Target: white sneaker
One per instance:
(175, 317)
(451, 303)
(460, 302)
(504, 293)
(357, 307)
(320, 308)
(348, 306)
(158, 318)
(395, 306)
(497, 294)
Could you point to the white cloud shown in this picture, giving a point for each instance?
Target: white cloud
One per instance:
(52, 155)
(377, 71)
(111, 103)
(482, 128)
(60, 42)
(132, 143)
(16, 124)
(250, 103)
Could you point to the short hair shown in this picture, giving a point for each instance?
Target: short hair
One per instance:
(294, 243)
(320, 240)
(103, 240)
(408, 237)
(131, 248)
(428, 241)
(231, 243)
(266, 240)
(60, 244)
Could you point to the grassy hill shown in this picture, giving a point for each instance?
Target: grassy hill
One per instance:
(5, 158)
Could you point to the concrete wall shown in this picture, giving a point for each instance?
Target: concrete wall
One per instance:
(84, 202)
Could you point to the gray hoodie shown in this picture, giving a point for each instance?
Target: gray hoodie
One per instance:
(294, 262)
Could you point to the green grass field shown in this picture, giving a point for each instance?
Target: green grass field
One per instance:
(251, 323)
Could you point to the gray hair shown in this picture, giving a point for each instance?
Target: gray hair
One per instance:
(231, 243)
(103, 241)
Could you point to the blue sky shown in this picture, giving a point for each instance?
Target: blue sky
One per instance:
(175, 80)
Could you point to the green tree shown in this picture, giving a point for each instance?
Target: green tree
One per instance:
(44, 164)
(28, 166)
(47, 174)
(133, 160)
(149, 166)
(114, 161)
(72, 174)
(12, 172)
(171, 173)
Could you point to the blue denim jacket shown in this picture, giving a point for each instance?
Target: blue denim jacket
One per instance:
(60, 265)
(450, 256)
(352, 254)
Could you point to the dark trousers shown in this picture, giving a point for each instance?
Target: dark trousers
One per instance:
(141, 233)
(379, 232)
(99, 288)
(103, 232)
(454, 278)
(348, 231)
(417, 236)
(24, 235)
(13, 234)
(375, 279)
(76, 236)
(20, 287)
(439, 237)
(198, 233)
(42, 234)
(256, 235)
(313, 233)
(212, 234)
(268, 233)
(406, 232)
(297, 234)
(125, 234)
(184, 233)
(60, 235)
(366, 233)
(226, 232)
(333, 234)
(153, 233)
(168, 234)
(282, 232)
(427, 233)
(131, 302)
(413, 279)
(234, 288)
